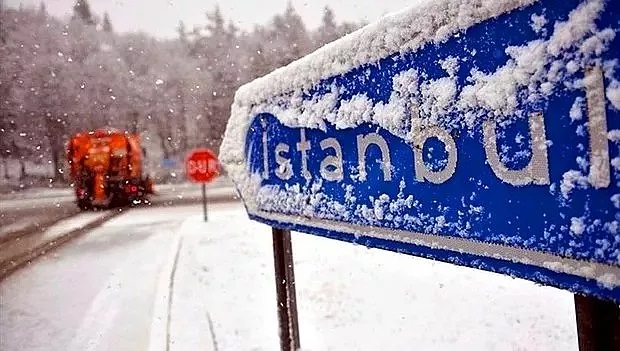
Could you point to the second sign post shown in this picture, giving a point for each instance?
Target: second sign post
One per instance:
(202, 166)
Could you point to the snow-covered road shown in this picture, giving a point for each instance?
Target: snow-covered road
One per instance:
(111, 290)
(96, 293)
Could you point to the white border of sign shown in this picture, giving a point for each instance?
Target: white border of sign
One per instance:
(602, 273)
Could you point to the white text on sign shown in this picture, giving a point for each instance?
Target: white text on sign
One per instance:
(202, 166)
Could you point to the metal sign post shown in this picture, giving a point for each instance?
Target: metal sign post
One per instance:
(285, 289)
(204, 201)
(598, 324)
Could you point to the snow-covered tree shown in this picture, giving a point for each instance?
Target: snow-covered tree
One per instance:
(182, 32)
(216, 47)
(289, 36)
(107, 25)
(81, 10)
(20, 51)
(58, 78)
(328, 31)
(42, 9)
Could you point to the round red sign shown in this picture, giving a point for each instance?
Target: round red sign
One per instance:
(202, 166)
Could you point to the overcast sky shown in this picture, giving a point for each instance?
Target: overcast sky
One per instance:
(161, 17)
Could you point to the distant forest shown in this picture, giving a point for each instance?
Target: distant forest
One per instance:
(60, 77)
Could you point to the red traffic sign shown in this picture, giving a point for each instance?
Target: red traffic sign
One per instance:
(202, 166)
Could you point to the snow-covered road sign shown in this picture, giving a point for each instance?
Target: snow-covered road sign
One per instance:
(481, 133)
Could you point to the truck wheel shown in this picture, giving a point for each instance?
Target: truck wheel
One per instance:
(84, 205)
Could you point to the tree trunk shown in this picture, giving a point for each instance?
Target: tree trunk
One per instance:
(22, 169)
(56, 150)
(55, 132)
(6, 168)
(58, 176)
(134, 122)
(183, 125)
(162, 141)
(173, 147)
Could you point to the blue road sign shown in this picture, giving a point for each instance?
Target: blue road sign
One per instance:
(168, 163)
(484, 135)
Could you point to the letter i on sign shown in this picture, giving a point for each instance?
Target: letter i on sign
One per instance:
(303, 146)
(599, 175)
(265, 150)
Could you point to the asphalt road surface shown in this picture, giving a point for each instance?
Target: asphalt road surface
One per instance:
(38, 207)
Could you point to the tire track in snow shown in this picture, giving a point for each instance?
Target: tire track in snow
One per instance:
(173, 328)
(107, 305)
(160, 325)
(171, 291)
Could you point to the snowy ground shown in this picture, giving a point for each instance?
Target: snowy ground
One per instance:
(96, 293)
(37, 173)
(110, 290)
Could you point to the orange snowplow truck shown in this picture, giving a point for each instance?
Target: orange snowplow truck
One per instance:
(106, 169)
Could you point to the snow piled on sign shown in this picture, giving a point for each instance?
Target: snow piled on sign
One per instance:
(408, 30)
(294, 200)
(532, 73)
(613, 94)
